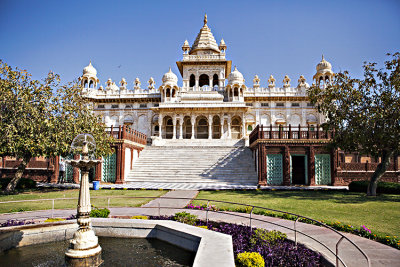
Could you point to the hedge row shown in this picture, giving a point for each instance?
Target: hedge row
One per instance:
(383, 187)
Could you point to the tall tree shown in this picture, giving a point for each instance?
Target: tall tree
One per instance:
(41, 118)
(364, 112)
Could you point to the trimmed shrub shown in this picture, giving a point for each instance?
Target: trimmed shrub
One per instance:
(383, 187)
(140, 217)
(249, 259)
(100, 213)
(185, 217)
(265, 237)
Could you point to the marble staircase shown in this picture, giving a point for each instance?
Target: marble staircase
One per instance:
(202, 165)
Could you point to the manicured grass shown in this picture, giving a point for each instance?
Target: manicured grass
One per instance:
(72, 203)
(381, 214)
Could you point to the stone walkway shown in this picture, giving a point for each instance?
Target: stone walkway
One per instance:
(379, 254)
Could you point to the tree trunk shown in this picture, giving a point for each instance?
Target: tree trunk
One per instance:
(379, 172)
(20, 171)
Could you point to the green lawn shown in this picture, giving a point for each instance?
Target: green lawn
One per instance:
(381, 213)
(64, 204)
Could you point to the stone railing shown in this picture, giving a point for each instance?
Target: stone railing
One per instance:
(289, 132)
(203, 57)
(124, 132)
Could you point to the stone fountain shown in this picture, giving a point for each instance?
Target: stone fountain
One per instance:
(84, 249)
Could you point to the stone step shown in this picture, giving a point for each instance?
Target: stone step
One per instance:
(181, 162)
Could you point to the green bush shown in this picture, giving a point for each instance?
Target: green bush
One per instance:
(249, 259)
(100, 213)
(383, 187)
(265, 237)
(23, 183)
(185, 217)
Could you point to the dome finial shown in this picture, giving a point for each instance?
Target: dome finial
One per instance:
(323, 57)
(205, 19)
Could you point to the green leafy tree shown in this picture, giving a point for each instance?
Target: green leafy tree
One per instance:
(41, 118)
(365, 113)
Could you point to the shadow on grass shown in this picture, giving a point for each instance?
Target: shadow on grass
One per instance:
(332, 196)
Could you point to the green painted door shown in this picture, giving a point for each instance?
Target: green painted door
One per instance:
(323, 169)
(274, 169)
(109, 168)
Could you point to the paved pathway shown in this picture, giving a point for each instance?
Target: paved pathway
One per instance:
(379, 254)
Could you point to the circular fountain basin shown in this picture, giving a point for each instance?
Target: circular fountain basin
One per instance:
(208, 248)
(115, 252)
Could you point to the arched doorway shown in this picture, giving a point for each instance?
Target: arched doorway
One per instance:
(187, 128)
(215, 80)
(236, 128)
(216, 128)
(204, 80)
(192, 81)
(202, 128)
(169, 127)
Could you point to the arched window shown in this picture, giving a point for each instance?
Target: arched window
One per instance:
(192, 81)
(249, 128)
(235, 92)
(91, 84)
(156, 128)
(203, 80)
(85, 82)
(168, 93)
(215, 80)
(173, 92)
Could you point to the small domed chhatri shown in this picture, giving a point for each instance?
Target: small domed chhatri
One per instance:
(323, 65)
(324, 73)
(89, 70)
(235, 77)
(170, 78)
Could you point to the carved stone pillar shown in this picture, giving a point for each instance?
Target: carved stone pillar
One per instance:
(243, 126)
(222, 129)
(229, 127)
(286, 166)
(210, 127)
(192, 121)
(174, 128)
(311, 165)
(180, 127)
(160, 126)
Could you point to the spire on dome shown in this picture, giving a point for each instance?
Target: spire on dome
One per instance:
(205, 39)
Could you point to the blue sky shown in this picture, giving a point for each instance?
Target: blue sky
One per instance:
(143, 38)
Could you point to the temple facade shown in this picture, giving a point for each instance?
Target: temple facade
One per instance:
(213, 101)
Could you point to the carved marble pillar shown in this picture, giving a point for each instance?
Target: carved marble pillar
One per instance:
(174, 127)
(160, 117)
(229, 127)
(192, 121)
(286, 166)
(180, 127)
(222, 128)
(210, 127)
(243, 125)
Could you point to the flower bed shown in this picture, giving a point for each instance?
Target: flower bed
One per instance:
(273, 246)
(364, 231)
